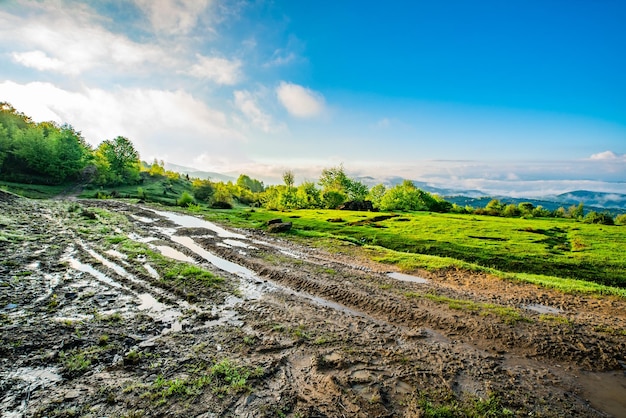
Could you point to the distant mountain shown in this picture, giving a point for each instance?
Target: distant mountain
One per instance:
(393, 181)
(192, 172)
(592, 201)
(599, 199)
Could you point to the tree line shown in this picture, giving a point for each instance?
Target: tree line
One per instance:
(48, 153)
(53, 154)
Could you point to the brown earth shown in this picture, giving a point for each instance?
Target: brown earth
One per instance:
(94, 327)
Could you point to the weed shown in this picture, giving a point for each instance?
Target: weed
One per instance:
(75, 362)
(554, 319)
(610, 330)
(249, 340)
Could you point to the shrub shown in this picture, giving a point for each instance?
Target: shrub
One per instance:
(620, 219)
(598, 218)
(185, 200)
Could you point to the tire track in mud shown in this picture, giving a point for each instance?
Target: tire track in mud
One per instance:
(491, 335)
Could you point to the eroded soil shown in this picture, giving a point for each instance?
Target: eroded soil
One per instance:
(99, 317)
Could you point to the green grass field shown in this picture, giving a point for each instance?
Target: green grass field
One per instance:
(155, 189)
(34, 191)
(560, 253)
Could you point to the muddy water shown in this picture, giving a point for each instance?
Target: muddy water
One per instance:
(605, 391)
(543, 309)
(407, 278)
(187, 221)
(24, 381)
(160, 311)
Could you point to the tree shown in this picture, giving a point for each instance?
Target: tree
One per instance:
(254, 185)
(335, 179)
(308, 196)
(576, 212)
(376, 194)
(202, 190)
(598, 218)
(117, 162)
(288, 178)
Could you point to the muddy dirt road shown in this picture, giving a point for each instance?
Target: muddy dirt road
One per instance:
(121, 310)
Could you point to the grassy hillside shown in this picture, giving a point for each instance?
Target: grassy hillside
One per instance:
(556, 252)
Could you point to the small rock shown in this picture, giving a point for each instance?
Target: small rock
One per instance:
(279, 227)
(72, 394)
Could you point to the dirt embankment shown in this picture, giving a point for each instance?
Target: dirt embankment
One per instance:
(102, 316)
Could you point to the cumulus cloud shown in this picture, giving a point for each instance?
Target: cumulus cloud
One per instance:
(608, 155)
(219, 70)
(300, 101)
(155, 120)
(173, 16)
(50, 39)
(42, 62)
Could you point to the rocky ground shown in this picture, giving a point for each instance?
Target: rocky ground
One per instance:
(122, 310)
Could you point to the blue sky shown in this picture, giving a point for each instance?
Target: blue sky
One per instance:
(515, 97)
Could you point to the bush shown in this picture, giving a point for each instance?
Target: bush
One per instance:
(185, 200)
(620, 219)
(598, 218)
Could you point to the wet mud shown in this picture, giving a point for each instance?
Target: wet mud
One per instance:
(115, 309)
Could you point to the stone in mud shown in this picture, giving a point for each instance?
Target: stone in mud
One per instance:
(279, 227)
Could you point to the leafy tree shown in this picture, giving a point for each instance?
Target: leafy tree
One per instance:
(202, 190)
(494, 207)
(117, 162)
(157, 169)
(576, 212)
(511, 211)
(222, 197)
(407, 197)
(288, 178)
(620, 219)
(335, 179)
(376, 194)
(331, 199)
(254, 185)
(308, 196)
(598, 218)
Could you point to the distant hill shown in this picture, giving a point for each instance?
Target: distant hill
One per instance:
(192, 172)
(601, 202)
(599, 199)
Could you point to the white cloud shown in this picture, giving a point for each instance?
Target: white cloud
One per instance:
(608, 155)
(247, 103)
(41, 61)
(50, 39)
(219, 70)
(300, 101)
(173, 16)
(159, 122)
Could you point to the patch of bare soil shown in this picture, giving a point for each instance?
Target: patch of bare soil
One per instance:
(103, 315)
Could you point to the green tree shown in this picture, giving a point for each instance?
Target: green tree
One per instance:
(335, 179)
(375, 194)
(117, 162)
(576, 212)
(308, 196)
(157, 168)
(288, 178)
(254, 185)
(202, 190)
(407, 197)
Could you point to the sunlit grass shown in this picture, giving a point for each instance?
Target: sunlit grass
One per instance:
(562, 254)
